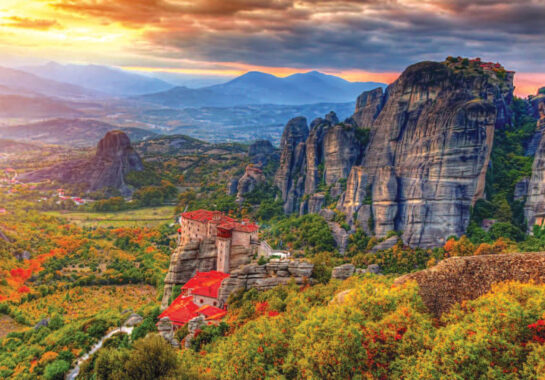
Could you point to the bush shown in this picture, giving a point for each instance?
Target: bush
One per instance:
(151, 358)
(56, 370)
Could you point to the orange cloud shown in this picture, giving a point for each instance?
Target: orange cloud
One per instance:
(30, 23)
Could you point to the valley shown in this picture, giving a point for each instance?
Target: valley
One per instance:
(366, 244)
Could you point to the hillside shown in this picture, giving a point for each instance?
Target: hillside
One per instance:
(71, 132)
(16, 106)
(23, 82)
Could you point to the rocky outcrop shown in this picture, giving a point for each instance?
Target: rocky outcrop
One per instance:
(193, 326)
(261, 152)
(535, 200)
(386, 244)
(232, 186)
(342, 272)
(331, 149)
(340, 235)
(537, 109)
(289, 176)
(113, 160)
(465, 278)
(165, 328)
(368, 106)
(133, 320)
(252, 177)
(429, 139)
(200, 256)
(265, 277)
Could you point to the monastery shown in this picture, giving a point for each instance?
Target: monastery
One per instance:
(211, 244)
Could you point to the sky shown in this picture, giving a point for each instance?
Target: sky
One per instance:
(359, 40)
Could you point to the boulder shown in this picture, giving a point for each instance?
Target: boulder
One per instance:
(193, 326)
(134, 319)
(386, 244)
(342, 272)
(166, 330)
(43, 323)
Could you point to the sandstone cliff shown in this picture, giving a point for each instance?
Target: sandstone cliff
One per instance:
(465, 278)
(414, 157)
(113, 160)
(289, 177)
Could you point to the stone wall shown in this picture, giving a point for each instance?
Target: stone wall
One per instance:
(466, 278)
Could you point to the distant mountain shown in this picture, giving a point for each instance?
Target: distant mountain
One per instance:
(73, 132)
(14, 106)
(260, 88)
(105, 79)
(22, 83)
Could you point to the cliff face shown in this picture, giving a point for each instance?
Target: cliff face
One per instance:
(113, 160)
(535, 198)
(465, 278)
(430, 138)
(289, 178)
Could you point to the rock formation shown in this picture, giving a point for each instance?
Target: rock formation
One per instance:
(193, 326)
(252, 177)
(537, 110)
(261, 152)
(165, 328)
(465, 278)
(342, 272)
(265, 277)
(200, 256)
(289, 176)
(414, 157)
(535, 200)
(113, 160)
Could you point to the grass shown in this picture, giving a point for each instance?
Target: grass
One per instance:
(145, 217)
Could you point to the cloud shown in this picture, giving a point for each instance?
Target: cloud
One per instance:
(30, 23)
(379, 35)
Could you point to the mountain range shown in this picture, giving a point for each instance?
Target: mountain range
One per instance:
(261, 88)
(103, 79)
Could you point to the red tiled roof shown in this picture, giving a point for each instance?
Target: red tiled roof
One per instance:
(183, 309)
(223, 221)
(206, 284)
(212, 312)
(180, 311)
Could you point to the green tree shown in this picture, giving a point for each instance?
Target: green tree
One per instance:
(56, 370)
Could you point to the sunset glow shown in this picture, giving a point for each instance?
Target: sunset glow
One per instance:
(226, 39)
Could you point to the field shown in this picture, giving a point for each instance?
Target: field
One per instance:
(146, 217)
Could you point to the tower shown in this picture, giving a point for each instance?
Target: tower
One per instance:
(223, 247)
